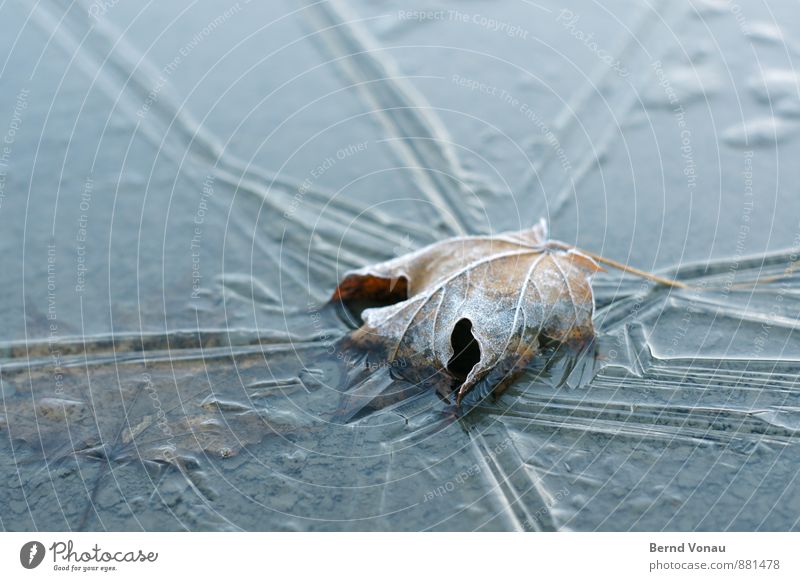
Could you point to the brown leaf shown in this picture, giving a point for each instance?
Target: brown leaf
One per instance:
(509, 292)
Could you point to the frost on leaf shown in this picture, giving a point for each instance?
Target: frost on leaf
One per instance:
(475, 308)
(149, 417)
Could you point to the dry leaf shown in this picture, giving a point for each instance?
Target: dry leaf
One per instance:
(476, 307)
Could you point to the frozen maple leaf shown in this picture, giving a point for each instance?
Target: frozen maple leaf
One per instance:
(476, 307)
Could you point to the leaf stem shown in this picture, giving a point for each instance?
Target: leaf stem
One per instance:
(636, 271)
(788, 271)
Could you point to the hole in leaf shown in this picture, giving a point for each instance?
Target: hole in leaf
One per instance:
(466, 351)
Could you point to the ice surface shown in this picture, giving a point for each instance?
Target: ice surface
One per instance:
(216, 169)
